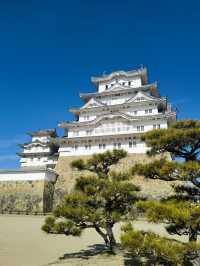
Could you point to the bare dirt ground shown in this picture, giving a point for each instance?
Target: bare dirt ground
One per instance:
(22, 243)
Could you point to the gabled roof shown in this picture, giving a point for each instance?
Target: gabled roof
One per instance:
(142, 96)
(93, 103)
(141, 72)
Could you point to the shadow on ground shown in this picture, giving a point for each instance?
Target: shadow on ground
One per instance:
(92, 250)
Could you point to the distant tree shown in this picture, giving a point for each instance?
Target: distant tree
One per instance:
(181, 211)
(99, 199)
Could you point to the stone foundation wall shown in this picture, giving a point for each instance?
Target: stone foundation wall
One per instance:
(67, 176)
(26, 196)
(42, 196)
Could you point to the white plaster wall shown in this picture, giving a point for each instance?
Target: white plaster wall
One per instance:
(94, 148)
(115, 128)
(22, 176)
(114, 99)
(42, 139)
(70, 151)
(37, 149)
(25, 162)
(141, 110)
(135, 83)
(87, 117)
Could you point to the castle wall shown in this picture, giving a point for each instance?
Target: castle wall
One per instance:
(26, 196)
(26, 191)
(42, 195)
(67, 177)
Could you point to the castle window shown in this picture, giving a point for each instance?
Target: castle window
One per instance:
(106, 87)
(140, 128)
(88, 147)
(148, 111)
(139, 99)
(135, 112)
(100, 146)
(129, 83)
(104, 146)
(119, 145)
(132, 144)
(156, 126)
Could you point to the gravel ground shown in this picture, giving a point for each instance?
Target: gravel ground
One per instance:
(22, 243)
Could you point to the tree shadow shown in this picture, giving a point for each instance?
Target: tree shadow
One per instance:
(84, 254)
(92, 250)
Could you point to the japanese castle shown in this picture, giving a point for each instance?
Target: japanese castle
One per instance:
(123, 106)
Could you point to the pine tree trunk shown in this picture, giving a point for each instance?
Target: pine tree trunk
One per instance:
(193, 234)
(104, 236)
(112, 241)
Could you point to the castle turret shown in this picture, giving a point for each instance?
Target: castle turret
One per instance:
(41, 151)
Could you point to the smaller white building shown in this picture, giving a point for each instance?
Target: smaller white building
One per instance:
(38, 158)
(41, 151)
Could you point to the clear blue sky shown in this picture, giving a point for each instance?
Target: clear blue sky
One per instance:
(50, 49)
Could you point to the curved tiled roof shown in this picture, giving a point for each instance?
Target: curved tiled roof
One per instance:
(121, 89)
(43, 132)
(133, 73)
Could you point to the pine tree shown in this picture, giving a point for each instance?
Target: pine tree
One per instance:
(99, 199)
(181, 212)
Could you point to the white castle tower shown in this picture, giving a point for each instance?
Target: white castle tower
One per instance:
(41, 151)
(124, 106)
